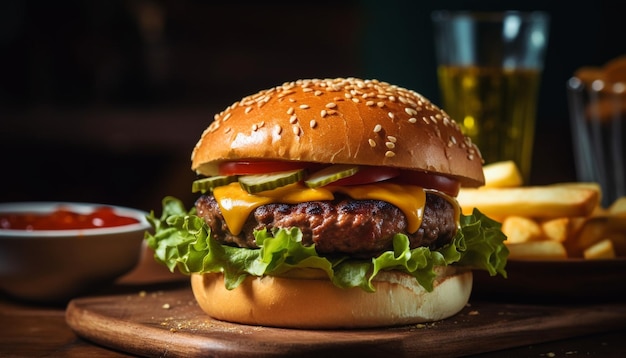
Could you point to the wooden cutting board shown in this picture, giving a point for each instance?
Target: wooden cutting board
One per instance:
(169, 323)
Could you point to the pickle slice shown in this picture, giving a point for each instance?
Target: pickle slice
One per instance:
(331, 174)
(207, 184)
(262, 182)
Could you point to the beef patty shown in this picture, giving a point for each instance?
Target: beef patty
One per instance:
(359, 228)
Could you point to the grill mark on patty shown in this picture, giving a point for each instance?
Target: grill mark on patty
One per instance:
(360, 228)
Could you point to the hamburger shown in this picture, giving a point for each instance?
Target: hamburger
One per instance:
(330, 203)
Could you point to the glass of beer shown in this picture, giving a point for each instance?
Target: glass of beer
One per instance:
(489, 70)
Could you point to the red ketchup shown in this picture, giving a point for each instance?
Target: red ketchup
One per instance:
(63, 219)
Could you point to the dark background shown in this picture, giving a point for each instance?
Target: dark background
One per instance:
(103, 100)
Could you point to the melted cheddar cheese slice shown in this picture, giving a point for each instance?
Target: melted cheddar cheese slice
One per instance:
(236, 204)
(408, 198)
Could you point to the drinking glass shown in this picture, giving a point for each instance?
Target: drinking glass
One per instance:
(597, 114)
(489, 71)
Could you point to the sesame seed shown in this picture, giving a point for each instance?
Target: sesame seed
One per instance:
(304, 106)
(248, 109)
(292, 100)
(391, 115)
(392, 139)
(377, 128)
(380, 104)
(313, 123)
(372, 143)
(390, 145)
(290, 111)
(331, 105)
(306, 89)
(278, 130)
(389, 154)
(226, 117)
(370, 103)
(254, 127)
(293, 119)
(331, 112)
(355, 100)
(318, 93)
(412, 120)
(410, 111)
(470, 157)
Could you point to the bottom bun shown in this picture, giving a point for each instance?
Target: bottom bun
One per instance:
(318, 304)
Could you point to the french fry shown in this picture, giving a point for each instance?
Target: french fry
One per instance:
(618, 207)
(502, 175)
(552, 221)
(537, 250)
(590, 233)
(520, 229)
(556, 229)
(595, 229)
(545, 202)
(575, 225)
(601, 250)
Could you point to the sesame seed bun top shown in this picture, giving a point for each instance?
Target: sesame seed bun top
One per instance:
(342, 120)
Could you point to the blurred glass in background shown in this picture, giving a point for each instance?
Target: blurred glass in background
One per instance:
(597, 106)
(489, 70)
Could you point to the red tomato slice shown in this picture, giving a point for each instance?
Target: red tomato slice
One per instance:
(367, 175)
(442, 183)
(246, 167)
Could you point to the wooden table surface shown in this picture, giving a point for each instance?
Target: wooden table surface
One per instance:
(28, 330)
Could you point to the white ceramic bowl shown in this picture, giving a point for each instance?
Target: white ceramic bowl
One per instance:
(56, 265)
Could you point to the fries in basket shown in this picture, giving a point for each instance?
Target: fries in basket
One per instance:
(547, 222)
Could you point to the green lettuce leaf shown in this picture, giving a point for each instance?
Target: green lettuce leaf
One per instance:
(182, 241)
